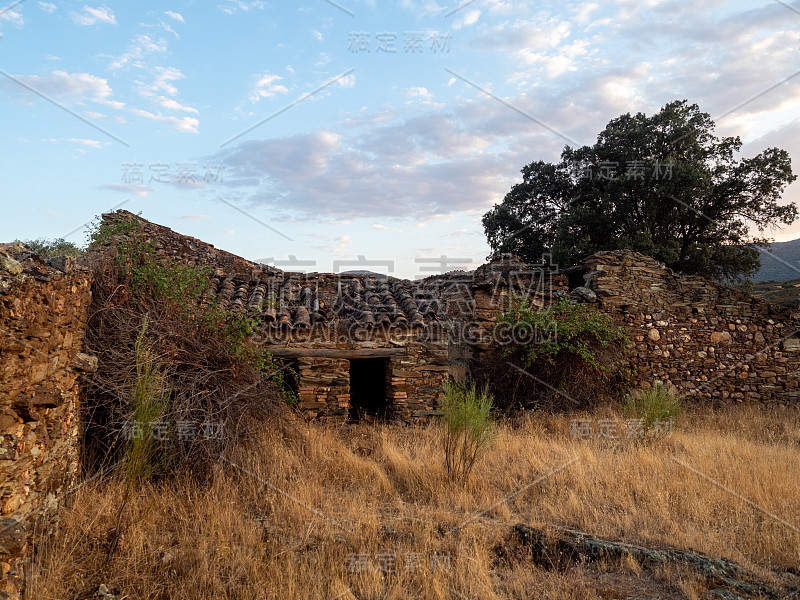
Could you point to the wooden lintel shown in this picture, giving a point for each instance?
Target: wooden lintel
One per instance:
(288, 352)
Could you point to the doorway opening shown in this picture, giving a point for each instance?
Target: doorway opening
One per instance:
(368, 388)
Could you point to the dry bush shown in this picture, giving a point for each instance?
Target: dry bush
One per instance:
(287, 516)
(220, 389)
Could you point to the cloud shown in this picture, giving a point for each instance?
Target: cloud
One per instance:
(141, 46)
(64, 85)
(85, 142)
(419, 92)
(195, 218)
(266, 87)
(467, 18)
(162, 82)
(421, 167)
(339, 246)
(172, 104)
(129, 188)
(91, 16)
(12, 16)
(234, 6)
(174, 15)
(81, 141)
(347, 81)
(48, 7)
(168, 29)
(185, 124)
(162, 78)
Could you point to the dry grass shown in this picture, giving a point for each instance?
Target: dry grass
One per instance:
(292, 517)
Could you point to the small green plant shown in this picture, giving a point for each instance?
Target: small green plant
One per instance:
(143, 457)
(656, 405)
(573, 328)
(149, 399)
(468, 428)
(102, 231)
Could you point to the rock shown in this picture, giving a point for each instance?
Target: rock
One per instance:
(65, 264)
(791, 345)
(572, 546)
(583, 294)
(720, 336)
(108, 592)
(84, 363)
(12, 537)
(758, 337)
(653, 335)
(9, 265)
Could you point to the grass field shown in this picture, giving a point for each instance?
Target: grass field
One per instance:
(367, 512)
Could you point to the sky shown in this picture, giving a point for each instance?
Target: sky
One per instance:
(323, 135)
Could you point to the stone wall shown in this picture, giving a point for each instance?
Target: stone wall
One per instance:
(43, 312)
(712, 341)
(416, 365)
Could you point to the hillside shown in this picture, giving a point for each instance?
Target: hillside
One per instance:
(784, 266)
(786, 293)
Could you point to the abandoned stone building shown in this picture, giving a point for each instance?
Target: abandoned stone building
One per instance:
(372, 345)
(361, 344)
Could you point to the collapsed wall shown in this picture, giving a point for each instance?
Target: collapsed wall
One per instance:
(43, 314)
(712, 341)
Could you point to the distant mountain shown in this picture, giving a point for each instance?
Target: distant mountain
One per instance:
(368, 273)
(783, 265)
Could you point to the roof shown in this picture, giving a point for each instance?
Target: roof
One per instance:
(300, 301)
(295, 301)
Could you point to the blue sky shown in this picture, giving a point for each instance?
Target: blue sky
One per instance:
(332, 130)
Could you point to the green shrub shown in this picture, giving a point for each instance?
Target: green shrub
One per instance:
(653, 406)
(566, 356)
(58, 247)
(468, 428)
(576, 327)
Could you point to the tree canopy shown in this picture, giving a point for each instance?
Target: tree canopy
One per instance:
(663, 185)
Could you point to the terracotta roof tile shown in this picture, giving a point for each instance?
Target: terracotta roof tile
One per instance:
(299, 301)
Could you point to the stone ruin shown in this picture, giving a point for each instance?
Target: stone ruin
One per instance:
(363, 346)
(43, 314)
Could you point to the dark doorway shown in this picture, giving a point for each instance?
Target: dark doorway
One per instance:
(368, 388)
